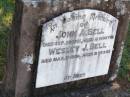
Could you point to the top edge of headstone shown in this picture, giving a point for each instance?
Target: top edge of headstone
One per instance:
(35, 2)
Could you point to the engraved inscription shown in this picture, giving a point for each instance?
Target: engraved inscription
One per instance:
(76, 45)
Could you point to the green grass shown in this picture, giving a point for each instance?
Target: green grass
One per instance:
(125, 62)
(6, 13)
(129, 90)
(124, 72)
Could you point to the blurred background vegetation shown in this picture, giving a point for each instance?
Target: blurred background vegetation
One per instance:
(6, 13)
(125, 62)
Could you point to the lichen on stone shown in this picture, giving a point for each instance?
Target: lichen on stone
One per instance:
(121, 7)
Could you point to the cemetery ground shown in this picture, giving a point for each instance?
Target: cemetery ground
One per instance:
(6, 14)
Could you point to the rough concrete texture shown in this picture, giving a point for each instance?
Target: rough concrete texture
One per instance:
(39, 12)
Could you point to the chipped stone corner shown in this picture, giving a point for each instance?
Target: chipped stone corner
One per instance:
(99, 1)
(121, 7)
(33, 3)
(114, 76)
(28, 61)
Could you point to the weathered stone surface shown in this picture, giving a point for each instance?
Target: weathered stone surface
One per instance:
(43, 11)
(30, 15)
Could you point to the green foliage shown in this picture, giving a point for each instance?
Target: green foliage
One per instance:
(129, 90)
(6, 13)
(125, 62)
(129, 79)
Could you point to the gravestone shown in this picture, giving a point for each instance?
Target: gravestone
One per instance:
(75, 45)
(65, 48)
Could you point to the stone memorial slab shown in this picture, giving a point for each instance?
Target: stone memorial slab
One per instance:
(76, 45)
